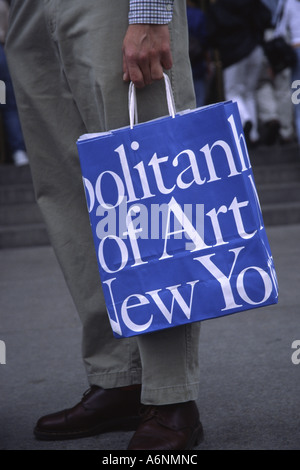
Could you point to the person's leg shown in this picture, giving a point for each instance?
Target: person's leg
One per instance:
(52, 122)
(296, 77)
(171, 368)
(234, 88)
(268, 122)
(266, 106)
(103, 92)
(253, 65)
(93, 81)
(170, 358)
(240, 83)
(282, 90)
(11, 121)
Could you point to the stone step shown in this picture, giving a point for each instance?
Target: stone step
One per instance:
(262, 173)
(14, 213)
(22, 191)
(23, 236)
(16, 194)
(10, 174)
(281, 214)
(270, 157)
(281, 193)
(276, 171)
(275, 155)
(14, 199)
(20, 214)
(35, 234)
(269, 174)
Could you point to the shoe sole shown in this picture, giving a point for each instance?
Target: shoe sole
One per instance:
(129, 424)
(195, 440)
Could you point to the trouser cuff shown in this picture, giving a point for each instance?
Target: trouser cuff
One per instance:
(170, 395)
(116, 380)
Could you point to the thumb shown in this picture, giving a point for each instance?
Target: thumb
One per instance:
(126, 77)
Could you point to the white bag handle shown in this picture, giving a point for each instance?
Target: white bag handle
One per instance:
(132, 102)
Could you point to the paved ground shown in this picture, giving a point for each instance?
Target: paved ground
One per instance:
(250, 389)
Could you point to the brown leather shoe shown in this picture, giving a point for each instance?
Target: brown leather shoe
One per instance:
(168, 427)
(99, 411)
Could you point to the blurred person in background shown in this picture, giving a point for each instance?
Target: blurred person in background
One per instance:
(9, 112)
(273, 97)
(274, 107)
(236, 28)
(197, 49)
(289, 26)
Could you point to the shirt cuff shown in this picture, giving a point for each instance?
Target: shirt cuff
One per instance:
(150, 11)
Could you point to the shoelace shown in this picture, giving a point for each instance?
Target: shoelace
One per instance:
(148, 412)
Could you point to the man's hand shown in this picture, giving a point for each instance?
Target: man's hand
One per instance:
(146, 53)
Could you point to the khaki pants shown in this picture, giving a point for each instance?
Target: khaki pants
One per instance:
(240, 84)
(66, 62)
(273, 100)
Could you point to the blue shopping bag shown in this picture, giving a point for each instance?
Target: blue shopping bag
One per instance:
(176, 219)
